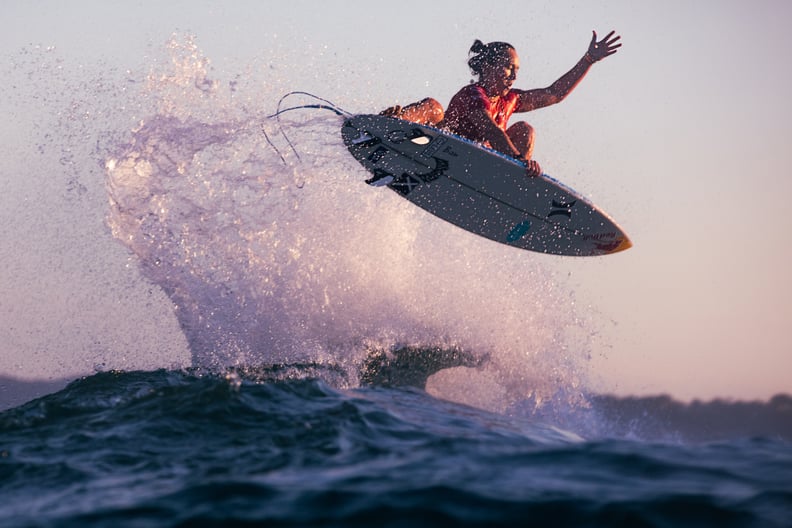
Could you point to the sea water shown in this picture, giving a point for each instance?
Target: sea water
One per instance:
(282, 274)
(178, 448)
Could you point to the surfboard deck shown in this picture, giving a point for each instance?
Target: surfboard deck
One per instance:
(479, 189)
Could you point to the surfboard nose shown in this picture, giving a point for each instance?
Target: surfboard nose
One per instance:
(625, 244)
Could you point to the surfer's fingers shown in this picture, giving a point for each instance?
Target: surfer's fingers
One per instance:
(532, 168)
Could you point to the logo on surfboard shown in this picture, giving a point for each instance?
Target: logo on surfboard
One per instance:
(407, 182)
(562, 208)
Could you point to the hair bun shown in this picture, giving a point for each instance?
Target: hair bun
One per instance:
(478, 47)
(485, 53)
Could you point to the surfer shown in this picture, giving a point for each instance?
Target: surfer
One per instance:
(480, 111)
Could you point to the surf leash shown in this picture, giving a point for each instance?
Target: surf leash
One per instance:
(323, 104)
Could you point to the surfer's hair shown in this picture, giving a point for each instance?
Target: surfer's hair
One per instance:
(486, 54)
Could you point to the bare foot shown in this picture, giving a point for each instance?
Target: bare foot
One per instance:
(393, 111)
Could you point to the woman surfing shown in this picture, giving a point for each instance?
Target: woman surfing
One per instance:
(481, 111)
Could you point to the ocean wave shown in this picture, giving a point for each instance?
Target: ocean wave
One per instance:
(596, 416)
(180, 447)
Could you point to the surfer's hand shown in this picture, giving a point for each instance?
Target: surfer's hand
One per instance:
(393, 111)
(532, 168)
(598, 50)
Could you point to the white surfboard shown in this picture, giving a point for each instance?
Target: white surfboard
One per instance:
(479, 189)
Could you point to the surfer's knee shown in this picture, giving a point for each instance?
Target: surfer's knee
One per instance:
(433, 111)
(522, 135)
(425, 112)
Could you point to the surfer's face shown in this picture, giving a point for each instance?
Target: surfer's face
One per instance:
(501, 73)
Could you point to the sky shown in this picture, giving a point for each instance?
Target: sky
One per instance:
(681, 137)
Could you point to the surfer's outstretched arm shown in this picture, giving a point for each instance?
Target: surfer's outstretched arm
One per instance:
(557, 92)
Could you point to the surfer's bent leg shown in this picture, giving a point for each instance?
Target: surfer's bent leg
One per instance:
(425, 112)
(522, 135)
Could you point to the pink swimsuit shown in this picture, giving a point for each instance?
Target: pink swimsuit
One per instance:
(473, 96)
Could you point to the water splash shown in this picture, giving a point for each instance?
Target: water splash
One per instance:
(267, 262)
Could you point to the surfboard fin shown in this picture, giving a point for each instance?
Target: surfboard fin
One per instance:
(381, 178)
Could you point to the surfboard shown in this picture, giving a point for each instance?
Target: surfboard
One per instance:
(479, 189)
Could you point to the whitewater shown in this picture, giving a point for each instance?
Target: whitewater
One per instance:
(281, 255)
(318, 352)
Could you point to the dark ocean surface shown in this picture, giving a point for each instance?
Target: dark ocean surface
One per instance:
(184, 448)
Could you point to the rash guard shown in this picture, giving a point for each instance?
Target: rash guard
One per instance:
(473, 96)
